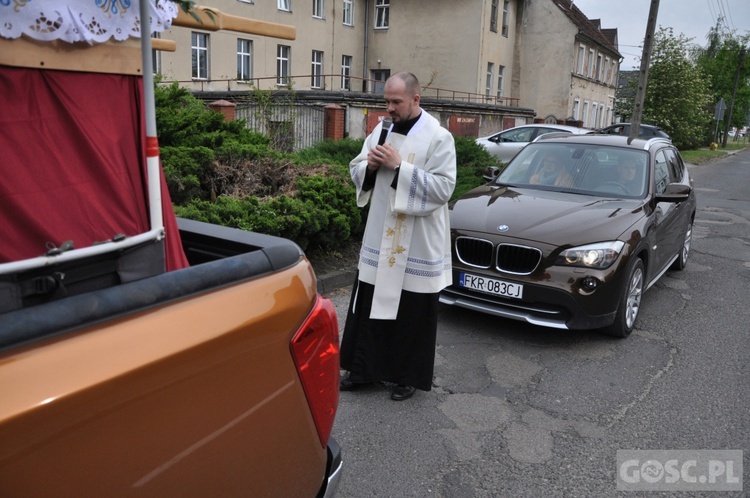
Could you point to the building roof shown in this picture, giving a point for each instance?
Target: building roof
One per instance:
(588, 27)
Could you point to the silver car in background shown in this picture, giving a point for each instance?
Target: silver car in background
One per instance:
(506, 144)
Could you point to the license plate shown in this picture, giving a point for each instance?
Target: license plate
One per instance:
(491, 286)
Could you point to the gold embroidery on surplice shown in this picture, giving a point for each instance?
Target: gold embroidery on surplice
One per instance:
(396, 232)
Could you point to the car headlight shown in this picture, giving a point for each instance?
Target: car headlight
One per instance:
(598, 256)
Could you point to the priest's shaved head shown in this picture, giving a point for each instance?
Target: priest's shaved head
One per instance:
(402, 95)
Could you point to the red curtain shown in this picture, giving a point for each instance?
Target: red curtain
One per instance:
(73, 162)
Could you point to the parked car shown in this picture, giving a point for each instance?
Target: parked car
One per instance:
(644, 130)
(576, 253)
(507, 143)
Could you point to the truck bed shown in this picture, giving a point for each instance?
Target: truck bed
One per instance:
(180, 384)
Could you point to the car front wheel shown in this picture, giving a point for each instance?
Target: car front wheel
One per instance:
(681, 262)
(630, 302)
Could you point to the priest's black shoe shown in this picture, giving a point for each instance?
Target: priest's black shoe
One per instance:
(401, 393)
(347, 384)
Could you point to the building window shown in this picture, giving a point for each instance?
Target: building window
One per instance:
(590, 72)
(500, 82)
(317, 69)
(284, 5)
(382, 8)
(493, 16)
(581, 56)
(318, 9)
(346, 71)
(200, 55)
(506, 4)
(156, 56)
(599, 67)
(594, 114)
(349, 12)
(608, 71)
(490, 72)
(244, 60)
(585, 114)
(378, 77)
(283, 64)
(576, 108)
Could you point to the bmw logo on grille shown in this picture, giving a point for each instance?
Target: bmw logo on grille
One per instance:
(503, 228)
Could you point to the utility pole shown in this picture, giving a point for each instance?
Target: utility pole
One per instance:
(728, 122)
(640, 94)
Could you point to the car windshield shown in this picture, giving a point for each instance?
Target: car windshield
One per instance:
(605, 171)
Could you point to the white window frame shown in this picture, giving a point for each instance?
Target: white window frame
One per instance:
(581, 59)
(285, 5)
(382, 14)
(283, 64)
(200, 55)
(316, 80)
(244, 59)
(490, 76)
(506, 13)
(599, 68)
(594, 113)
(493, 15)
(590, 72)
(500, 82)
(318, 9)
(576, 108)
(346, 72)
(349, 12)
(607, 76)
(156, 56)
(585, 114)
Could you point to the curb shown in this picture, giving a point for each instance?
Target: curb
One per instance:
(336, 280)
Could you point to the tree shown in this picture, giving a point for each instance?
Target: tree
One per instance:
(678, 97)
(722, 61)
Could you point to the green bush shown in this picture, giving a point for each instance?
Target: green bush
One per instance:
(185, 169)
(473, 160)
(339, 152)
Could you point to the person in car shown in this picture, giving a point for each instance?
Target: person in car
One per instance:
(627, 169)
(552, 172)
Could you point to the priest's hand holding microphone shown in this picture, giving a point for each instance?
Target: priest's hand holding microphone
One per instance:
(383, 154)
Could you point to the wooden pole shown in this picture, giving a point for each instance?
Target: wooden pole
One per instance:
(640, 94)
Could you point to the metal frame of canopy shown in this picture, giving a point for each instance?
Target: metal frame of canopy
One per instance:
(200, 17)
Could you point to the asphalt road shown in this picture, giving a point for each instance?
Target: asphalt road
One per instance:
(518, 410)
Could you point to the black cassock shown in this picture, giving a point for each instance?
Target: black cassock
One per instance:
(401, 351)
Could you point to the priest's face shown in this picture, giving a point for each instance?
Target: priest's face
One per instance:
(400, 104)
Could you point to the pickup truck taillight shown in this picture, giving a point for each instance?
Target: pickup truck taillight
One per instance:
(315, 349)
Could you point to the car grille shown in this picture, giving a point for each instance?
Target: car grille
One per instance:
(517, 259)
(474, 252)
(510, 258)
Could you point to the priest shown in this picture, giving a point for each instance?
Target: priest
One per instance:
(407, 172)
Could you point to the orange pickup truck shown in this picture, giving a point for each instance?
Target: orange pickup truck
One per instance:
(141, 355)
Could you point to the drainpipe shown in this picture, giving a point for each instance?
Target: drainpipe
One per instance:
(364, 59)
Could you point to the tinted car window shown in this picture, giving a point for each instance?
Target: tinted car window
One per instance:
(519, 135)
(581, 169)
(676, 167)
(661, 171)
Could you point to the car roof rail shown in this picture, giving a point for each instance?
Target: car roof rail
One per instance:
(654, 140)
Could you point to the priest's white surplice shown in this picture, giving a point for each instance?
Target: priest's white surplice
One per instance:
(406, 245)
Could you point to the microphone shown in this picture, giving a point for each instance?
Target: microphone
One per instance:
(387, 122)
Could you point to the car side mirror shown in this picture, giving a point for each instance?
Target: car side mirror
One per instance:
(675, 192)
(490, 173)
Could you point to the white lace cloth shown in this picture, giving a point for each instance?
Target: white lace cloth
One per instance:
(92, 21)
